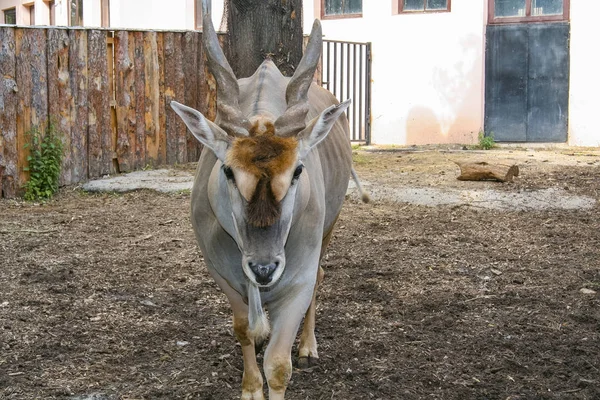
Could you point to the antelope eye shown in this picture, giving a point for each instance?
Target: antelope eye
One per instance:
(228, 173)
(298, 171)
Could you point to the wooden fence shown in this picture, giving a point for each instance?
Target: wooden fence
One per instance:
(108, 92)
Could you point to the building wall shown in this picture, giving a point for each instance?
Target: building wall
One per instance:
(23, 13)
(159, 14)
(584, 78)
(132, 14)
(427, 69)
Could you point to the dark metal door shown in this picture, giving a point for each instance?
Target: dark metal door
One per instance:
(527, 82)
(346, 72)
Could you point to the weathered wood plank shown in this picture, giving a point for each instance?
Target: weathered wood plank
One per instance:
(32, 83)
(78, 70)
(110, 59)
(59, 93)
(211, 92)
(162, 122)
(174, 90)
(100, 137)
(151, 97)
(190, 71)
(8, 111)
(125, 96)
(140, 107)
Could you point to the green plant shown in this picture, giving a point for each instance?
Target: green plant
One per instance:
(486, 142)
(43, 162)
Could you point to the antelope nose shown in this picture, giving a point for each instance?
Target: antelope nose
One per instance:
(263, 272)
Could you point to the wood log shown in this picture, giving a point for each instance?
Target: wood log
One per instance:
(485, 171)
(190, 70)
(59, 93)
(8, 114)
(100, 135)
(151, 97)
(162, 121)
(174, 90)
(125, 96)
(32, 83)
(78, 71)
(140, 107)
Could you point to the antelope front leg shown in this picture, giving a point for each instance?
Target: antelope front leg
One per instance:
(307, 350)
(252, 381)
(285, 321)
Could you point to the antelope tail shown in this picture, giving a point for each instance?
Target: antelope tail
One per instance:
(363, 195)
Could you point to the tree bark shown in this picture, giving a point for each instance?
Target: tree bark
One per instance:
(482, 171)
(260, 29)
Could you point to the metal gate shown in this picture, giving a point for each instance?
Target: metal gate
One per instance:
(346, 72)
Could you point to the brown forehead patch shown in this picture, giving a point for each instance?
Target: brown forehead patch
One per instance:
(262, 153)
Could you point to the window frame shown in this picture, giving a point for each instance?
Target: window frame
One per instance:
(399, 8)
(9, 10)
(493, 20)
(51, 12)
(31, 10)
(339, 16)
(79, 12)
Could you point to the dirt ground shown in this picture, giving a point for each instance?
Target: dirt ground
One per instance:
(104, 296)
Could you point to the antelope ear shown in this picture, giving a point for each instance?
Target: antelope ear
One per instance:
(319, 128)
(207, 132)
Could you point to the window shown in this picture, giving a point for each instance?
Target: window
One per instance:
(422, 6)
(514, 11)
(10, 16)
(331, 9)
(75, 12)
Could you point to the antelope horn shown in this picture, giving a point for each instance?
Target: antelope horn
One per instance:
(293, 119)
(229, 115)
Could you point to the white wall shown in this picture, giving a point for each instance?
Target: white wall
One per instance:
(427, 70)
(158, 14)
(584, 90)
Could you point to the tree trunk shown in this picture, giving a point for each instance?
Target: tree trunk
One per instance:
(260, 29)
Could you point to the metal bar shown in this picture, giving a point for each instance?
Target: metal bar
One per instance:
(328, 63)
(334, 69)
(348, 79)
(361, 92)
(341, 72)
(354, 92)
(342, 41)
(368, 101)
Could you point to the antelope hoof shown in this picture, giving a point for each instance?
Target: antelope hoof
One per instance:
(258, 395)
(307, 362)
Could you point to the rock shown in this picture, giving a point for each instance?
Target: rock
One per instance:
(587, 291)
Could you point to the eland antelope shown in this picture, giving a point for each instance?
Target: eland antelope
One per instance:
(269, 187)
